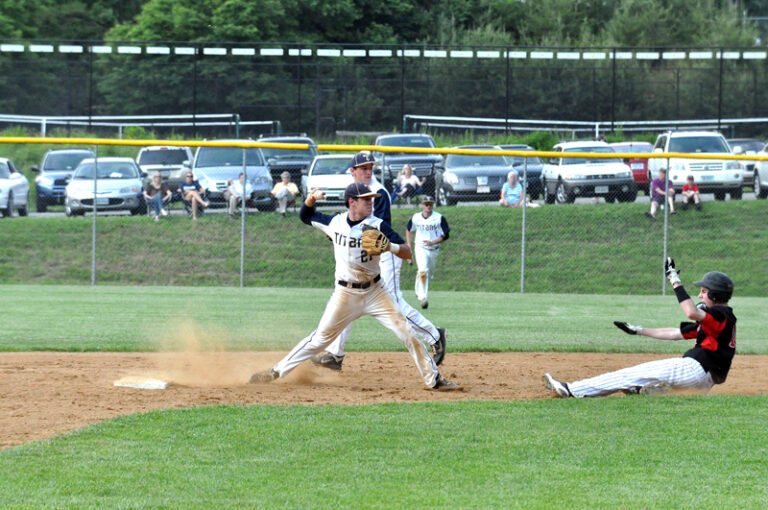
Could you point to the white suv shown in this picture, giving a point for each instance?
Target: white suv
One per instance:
(718, 176)
(168, 160)
(565, 179)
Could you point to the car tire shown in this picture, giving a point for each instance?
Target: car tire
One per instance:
(42, 205)
(8, 211)
(629, 196)
(549, 198)
(611, 198)
(760, 192)
(68, 212)
(562, 195)
(445, 196)
(719, 195)
(24, 211)
(736, 194)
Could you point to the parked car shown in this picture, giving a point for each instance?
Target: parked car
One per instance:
(168, 160)
(761, 176)
(215, 166)
(749, 146)
(473, 177)
(565, 179)
(639, 166)
(425, 166)
(718, 176)
(55, 170)
(14, 189)
(118, 187)
(295, 161)
(532, 169)
(328, 172)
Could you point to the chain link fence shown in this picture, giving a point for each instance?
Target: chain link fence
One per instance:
(592, 246)
(324, 89)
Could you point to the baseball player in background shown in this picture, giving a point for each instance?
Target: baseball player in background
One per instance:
(431, 230)
(358, 239)
(706, 364)
(333, 357)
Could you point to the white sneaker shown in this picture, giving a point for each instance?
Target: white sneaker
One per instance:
(163, 212)
(553, 384)
(157, 218)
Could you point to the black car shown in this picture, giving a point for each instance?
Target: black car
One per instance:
(294, 161)
(532, 169)
(425, 166)
(473, 176)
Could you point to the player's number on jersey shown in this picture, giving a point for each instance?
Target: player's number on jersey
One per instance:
(364, 257)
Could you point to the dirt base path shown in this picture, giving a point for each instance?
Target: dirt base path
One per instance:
(45, 394)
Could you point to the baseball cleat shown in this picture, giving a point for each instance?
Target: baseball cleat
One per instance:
(424, 304)
(443, 384)
(438, 348)
(266, 376)
(327, 360)
(655, 388)
(558, 387)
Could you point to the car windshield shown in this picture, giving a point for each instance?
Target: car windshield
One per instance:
(749, 145)
(330, 167)
(633, 147)
(694, 144)
(518, 160)
(406, 141)
(289, 153)
(581, 161)
(4, 172)
(108, 170)
(457, 160)
(65, 160)
(163, 157)
(227, 156)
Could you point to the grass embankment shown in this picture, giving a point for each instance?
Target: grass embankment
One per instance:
(595, 248)
(603, 453)
(120, 318)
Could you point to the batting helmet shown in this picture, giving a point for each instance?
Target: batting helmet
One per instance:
(719, 284)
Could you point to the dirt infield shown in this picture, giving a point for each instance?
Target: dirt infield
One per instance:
(45, 394)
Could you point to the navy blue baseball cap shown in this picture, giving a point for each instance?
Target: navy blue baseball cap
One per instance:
(360, 159)
(359, 190)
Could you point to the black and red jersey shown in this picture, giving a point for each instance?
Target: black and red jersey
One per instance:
(715, 341)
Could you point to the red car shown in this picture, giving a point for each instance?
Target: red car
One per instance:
(639, 166)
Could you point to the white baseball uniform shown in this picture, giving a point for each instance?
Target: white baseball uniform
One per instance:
(358, 292)
(427, 229)
(390, 275)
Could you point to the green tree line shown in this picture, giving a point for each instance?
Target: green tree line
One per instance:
(508, 22)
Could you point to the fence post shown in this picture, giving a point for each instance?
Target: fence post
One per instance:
(402, 83)
(666, 228)
(506, 97)
(243, 205)
(95, 213)
(720, 91)
(299, 65)
(613, 88)
(522, 239)
(194, 94)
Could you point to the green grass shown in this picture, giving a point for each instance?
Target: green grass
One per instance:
(590, 249)
(635, 452)
(115, 318)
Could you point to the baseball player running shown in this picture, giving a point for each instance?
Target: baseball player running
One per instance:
(431, 230)
(358, 239)
(333, 357)
(706, 364)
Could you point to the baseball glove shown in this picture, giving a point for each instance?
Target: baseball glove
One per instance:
(373, 241)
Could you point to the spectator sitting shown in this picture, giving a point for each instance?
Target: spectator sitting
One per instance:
(285, 192)
(191, 191)
(234, 194)
(658, 191)
(157, 194)
(691, 194)
(408, 183)
(512, 193)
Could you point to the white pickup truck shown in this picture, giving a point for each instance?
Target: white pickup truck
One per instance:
(718, 176)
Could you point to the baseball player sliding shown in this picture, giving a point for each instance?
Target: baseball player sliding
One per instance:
(706, 364)
(358, 239)
(431, 230)
(362, 172)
